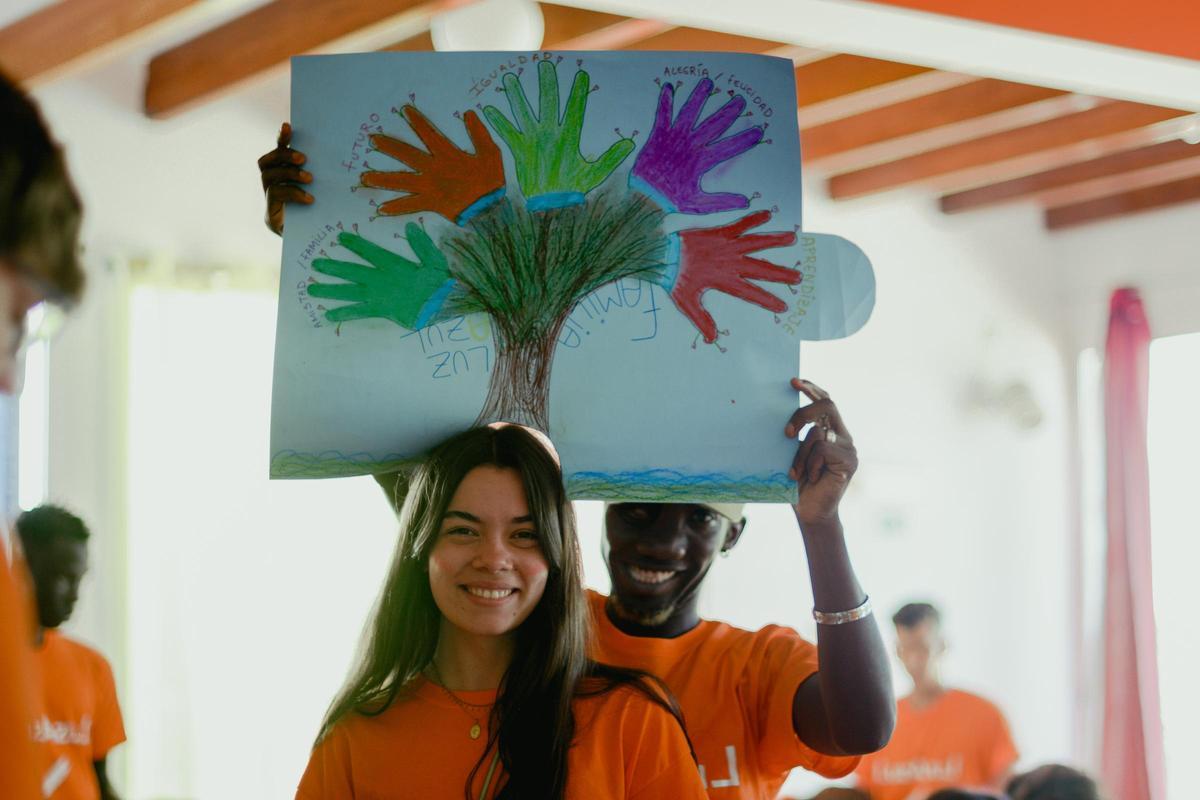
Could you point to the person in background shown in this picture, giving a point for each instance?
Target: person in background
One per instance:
(1053, 782)
(794, 708)
(39, 243)
(80, 720)
(944, 738)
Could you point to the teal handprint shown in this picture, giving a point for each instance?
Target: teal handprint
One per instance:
(409, 293)
(551, 169)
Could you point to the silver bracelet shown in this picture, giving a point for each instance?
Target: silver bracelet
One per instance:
(842, 617)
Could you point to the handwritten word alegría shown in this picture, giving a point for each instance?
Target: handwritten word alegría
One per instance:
(808, 284)
(753, 98)
(511, 64)
(687, 69)
(627, 294)
(361, 141)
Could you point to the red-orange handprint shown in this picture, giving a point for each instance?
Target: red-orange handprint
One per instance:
(445, 180)
(719, 258)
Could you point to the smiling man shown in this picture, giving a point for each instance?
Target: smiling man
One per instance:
(79, 720)
(756, 703)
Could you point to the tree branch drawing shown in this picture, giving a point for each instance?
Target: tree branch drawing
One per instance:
(527, 264)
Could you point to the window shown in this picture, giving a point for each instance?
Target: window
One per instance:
(1173, 440)
(1174, 443)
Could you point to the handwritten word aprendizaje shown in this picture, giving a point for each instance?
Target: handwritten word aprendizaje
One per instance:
(808, 285)
(512, 64)
(632, 294)
(753, 98)
(361, 141)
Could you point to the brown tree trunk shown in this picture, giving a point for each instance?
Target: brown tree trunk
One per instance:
(519, 388)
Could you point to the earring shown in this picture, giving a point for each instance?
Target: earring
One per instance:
(724, 554)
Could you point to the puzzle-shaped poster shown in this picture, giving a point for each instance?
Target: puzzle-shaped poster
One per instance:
(604, 246)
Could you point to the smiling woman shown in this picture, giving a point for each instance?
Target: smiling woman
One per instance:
(481, 628)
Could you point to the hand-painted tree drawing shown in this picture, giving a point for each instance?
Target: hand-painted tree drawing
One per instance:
(547, 223)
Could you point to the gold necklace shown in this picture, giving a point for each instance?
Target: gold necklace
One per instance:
(476, 728)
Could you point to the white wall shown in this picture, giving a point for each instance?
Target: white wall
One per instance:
(950, 504)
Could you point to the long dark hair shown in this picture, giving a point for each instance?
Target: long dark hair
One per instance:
(532, 722)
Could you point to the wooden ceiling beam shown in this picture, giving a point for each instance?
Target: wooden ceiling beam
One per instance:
(698, 39)
(563, 23)
(842, 74)
(50, 41)
(956, 133)
(885, 94)
(1039, 184)
(255, 42)
(1126, 203)
(966, 102)
(1108, 118)
(1119, 184)
(421, 43)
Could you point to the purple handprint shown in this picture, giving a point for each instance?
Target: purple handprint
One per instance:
(677, 155)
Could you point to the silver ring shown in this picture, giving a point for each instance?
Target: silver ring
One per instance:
(830, 436)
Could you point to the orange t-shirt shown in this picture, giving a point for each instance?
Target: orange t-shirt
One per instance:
(19, 778)
(736, 689)
(79, 720)
(625, 747)
(960, 741)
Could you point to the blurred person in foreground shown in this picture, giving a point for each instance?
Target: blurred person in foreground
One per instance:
(39, 243)
(944, 737)
(79, 720)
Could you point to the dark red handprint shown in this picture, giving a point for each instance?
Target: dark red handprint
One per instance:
(719, 258)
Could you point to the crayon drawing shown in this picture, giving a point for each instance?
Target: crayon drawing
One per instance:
(550, 224)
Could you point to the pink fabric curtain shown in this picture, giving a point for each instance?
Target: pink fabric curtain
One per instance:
(1133, 766)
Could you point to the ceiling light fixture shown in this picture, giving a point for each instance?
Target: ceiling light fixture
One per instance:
(489, 25)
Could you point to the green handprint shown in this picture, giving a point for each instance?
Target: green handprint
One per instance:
(409, 293)
(551, 169)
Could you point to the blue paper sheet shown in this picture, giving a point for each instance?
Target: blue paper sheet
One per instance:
(607, 246)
